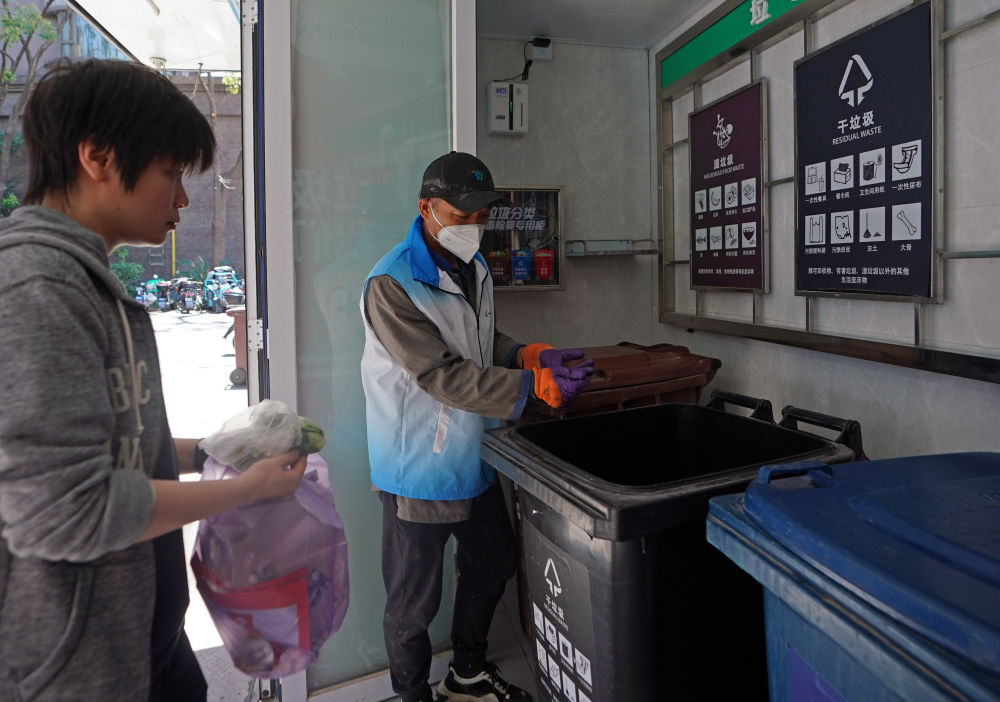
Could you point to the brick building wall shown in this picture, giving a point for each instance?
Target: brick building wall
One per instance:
(193, 237)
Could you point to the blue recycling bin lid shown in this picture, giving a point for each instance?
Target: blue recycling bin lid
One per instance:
(918, 538)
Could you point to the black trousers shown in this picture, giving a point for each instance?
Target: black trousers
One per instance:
(177, 677)
(412, 562)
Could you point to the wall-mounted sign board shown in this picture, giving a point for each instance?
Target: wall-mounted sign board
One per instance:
(523, 243)
(727, 172)
(864, 163)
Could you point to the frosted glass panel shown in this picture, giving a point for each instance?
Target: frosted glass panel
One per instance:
(682, 107)
(726, 82)
(682, 203)
(371, 93)
(958, 12)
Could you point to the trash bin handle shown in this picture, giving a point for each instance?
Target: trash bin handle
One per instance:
(791, 470)
(850, 429)
(761, 407)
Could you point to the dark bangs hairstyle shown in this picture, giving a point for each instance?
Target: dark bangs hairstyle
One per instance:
(131, 109)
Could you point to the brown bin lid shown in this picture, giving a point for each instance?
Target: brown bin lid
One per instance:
(626, 364)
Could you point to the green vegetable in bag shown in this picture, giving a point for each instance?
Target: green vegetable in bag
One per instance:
(313, 438)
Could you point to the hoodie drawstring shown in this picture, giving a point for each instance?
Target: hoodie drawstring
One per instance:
(131, 364)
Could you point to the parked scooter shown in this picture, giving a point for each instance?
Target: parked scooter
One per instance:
(190, 296)
(163, 301)
(213, 296)
(219, 279)
(174, 292)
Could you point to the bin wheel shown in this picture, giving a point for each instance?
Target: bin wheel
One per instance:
(238, 377)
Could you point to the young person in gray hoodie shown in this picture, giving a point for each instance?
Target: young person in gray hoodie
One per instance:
(93, 585)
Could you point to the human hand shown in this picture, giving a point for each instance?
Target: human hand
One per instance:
(274, 477)
(558, 387)
(550, 358)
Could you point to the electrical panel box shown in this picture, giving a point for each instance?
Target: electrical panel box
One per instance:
(508, 108)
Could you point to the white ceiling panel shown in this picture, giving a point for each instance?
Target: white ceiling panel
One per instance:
(187, 34)
(627, 23)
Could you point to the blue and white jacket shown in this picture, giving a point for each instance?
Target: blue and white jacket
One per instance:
(434, 371)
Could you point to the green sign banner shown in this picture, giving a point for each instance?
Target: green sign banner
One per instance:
(744, 20)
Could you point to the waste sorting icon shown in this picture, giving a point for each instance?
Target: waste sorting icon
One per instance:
(854, 95)
(723, 132)
(552, 578)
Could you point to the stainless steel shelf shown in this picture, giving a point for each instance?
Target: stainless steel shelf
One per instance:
(611, 247)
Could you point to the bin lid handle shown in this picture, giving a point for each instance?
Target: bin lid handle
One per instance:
(791, 470)
(761, 407)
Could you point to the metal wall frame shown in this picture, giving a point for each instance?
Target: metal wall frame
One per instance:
(913, 355)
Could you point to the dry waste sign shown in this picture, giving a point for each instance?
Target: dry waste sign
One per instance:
(864, 190)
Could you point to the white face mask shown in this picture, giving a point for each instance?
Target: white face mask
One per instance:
(460, 239)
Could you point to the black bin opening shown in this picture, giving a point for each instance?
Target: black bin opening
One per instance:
(660, 444)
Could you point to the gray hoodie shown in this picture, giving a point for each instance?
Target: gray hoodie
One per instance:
(82, 429)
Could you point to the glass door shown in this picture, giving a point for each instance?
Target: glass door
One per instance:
(353, 99)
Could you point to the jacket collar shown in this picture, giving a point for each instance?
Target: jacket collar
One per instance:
(422, 264)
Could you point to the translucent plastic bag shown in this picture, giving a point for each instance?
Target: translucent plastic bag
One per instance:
(273, 574)
(266, 429)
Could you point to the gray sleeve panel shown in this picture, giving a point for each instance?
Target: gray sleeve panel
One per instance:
(60, 496)
(505, 350)
(416, 344)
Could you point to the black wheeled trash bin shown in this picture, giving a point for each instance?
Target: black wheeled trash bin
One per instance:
(629, 602)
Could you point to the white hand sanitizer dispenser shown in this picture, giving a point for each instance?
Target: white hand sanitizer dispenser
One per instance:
(508, 108)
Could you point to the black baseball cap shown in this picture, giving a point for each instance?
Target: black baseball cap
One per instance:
(461, 180)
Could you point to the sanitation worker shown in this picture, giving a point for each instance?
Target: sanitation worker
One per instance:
(436, 371)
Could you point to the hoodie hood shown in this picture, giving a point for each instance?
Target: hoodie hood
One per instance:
(43, 226)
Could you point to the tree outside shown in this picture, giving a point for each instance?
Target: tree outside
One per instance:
(35, 35)
(25, 35)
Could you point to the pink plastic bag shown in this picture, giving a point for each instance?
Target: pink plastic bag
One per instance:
(273, 574)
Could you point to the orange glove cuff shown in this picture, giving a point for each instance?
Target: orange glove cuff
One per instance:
(546, 389)
(530, 354)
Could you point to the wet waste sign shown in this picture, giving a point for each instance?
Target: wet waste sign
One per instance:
(727, 167)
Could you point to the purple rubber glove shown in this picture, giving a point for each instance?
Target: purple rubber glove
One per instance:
(571, 381)
(552, 358)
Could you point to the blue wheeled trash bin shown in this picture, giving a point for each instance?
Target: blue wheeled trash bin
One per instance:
(881, 580)
(628, 602)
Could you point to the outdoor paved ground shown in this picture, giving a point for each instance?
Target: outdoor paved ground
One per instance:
(195, 363)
